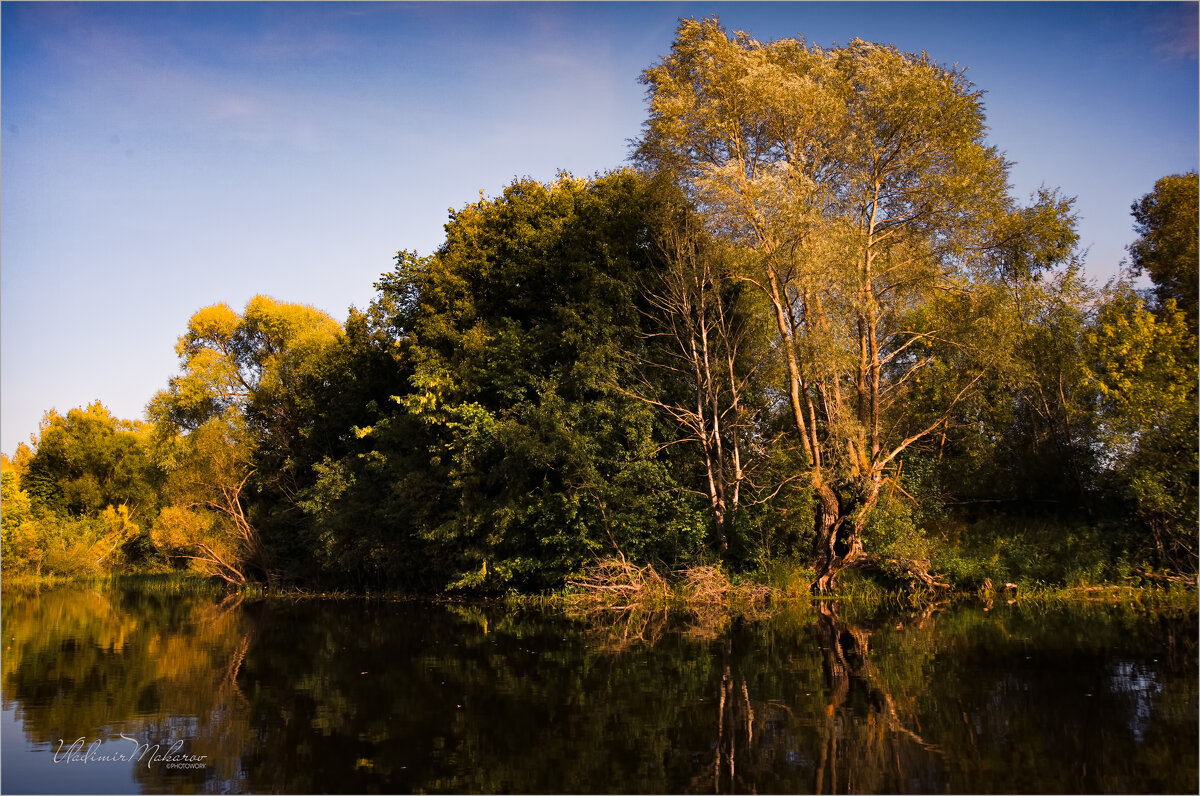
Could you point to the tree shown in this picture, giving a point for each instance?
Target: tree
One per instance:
(231, 424)
(1166, 220)
(20, 548)
(861, 178)
(260, 363)
(88, 460)
(705, 361)
(206, 522)
(1144, 366)
(77, 501)
(1026, 440)
(508, 453)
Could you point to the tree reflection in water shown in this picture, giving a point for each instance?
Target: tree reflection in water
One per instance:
(156, 667)
(365, 696)
(874, 748)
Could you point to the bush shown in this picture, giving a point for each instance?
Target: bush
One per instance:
(1044, 552)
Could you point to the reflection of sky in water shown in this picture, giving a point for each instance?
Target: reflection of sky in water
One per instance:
(30, 767)
(1141, 684)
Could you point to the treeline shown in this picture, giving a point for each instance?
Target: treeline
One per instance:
(809, 331)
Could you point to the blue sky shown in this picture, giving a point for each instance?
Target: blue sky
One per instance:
(157, 158)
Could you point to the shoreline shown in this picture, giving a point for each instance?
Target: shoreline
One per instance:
(747, 595)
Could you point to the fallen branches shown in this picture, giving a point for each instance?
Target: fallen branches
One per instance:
(629, 603)
(1165, 578)
(705, 584)
(614, 584)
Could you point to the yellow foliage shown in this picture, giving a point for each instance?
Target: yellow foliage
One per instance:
(201, 536)
(215, 322)
(118, 527)
(179, 527)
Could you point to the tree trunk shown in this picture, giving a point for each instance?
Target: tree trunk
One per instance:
(831, 520)
(828, 519)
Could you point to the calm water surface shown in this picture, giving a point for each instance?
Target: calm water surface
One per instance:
(143, 690)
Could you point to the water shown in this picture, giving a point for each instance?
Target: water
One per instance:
(193, 692)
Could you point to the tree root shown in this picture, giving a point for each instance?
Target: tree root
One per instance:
(916, 570)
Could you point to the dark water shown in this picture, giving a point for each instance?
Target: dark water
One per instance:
(351, 696)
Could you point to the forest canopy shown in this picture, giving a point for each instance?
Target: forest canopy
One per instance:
(808, 331)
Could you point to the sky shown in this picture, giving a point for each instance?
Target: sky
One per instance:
(156, 158)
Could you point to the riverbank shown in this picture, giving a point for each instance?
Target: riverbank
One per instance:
(610, 586)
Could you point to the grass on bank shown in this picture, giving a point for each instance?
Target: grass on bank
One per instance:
(156, 582)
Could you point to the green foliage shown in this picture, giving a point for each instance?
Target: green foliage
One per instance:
(1026, 439)
(80, 501)
(1041, 553)
(1168, 224)
(504, 451)
(206, 522)
(89, 460)
(788, 577)
(893, 533)
(259, 369)
(48, 545)
(1092, 419)
(857, 587)
(1144, 367)
(782, 526)
(258, 362)
(705, 369)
